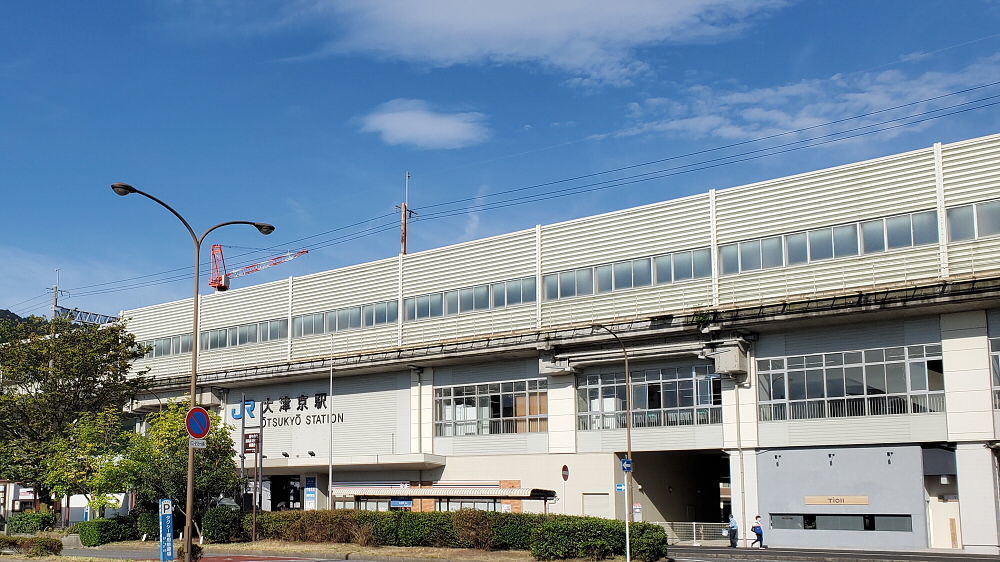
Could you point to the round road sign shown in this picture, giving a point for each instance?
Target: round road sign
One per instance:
(565, 473)
(198, 423)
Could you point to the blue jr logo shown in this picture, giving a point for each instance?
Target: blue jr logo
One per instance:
(248, 407)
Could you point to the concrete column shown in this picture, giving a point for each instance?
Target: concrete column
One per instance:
(967, 382)
(743, 487)
(977, 498)
(562, 413)
(422, 410)
(745, 433)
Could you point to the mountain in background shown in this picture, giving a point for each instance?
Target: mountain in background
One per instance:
(8, 316)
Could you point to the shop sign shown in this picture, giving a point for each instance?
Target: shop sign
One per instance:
(26, 494)
(250, 441)
(401, 502)
(836, 500)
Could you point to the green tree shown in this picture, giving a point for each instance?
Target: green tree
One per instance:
(88, 460)
(52, 373)
(155, 462)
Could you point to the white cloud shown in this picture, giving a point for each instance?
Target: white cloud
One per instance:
(594, 41)
(413, 122)
(727, 114)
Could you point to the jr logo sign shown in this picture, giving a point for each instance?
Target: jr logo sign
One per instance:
(248, 406)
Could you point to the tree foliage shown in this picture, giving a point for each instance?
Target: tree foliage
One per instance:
(39, 402)
(155, 463)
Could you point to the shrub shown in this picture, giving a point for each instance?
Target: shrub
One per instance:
(512, 531)
(382, 524)
(222, 524)
(103, 531)
(31, 522)
(426, 529)
(474, 527)
(32, 546)
(590, 537)
(148, 524)
(649, 542)
(196, 552)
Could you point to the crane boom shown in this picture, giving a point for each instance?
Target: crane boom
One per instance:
(220, 276)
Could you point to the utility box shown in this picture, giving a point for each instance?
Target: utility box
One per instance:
(730, 361)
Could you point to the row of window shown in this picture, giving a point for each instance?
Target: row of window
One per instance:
(170, 345)
(976, 220)
(487, 409)
(347, 318)
(865, 522)
(894, 380)
(245, 334)
(866, 237)
(469, 299)
(642, 272)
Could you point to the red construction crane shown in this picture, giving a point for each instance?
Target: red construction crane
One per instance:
(220, 277)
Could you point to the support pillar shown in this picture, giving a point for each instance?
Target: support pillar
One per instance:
(977, 498)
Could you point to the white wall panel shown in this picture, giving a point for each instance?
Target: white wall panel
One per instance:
(847, 431)
(160, 320)
(482, 261)
(341, 342)
(679, 224)
(502, 320)
(658, 299)
(503, 444)
(241, 306)
(652, 439)
(866, 271)
(971, 170)
(240, 357)
(974, 257)
(349, 286)
(876, 188)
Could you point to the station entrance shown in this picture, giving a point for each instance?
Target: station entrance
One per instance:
(682, 485)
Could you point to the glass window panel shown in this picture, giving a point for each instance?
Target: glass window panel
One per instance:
(241, 334)
(795, 248)
(814, 360)
(894, 523)
(662, 267)
(750, 255)
(567, 284)
(895, 353)
(482, 296)
(994, 367)
(234, 335)
(331, 321)
(814, 383)
(528, 289)
(623, 275)
(729, 259)
(252, 333)
(918, 375)
(771, 254)
(604, 278)
(391, 311)
(854, 379)
(895, 378)
(641, 273)
(354, 317)
(796, 385)
(845, 240)
(381, 310)
(834, 383)
(551, 282)
(935, 375)
(423, 306)
(778, 386)
(409, 308)
(875, 379)
(368, 313)
(186, 343)
(988, 218)
(498, 294)
(436, 304)
(682, 266)
(282, 329)
(925, 227)
(820, 244)
(873, 236)
(915, 351)
(833, 359)
(874, 355)
(297, 326)
(466, 299)
(702, 260)
(852, 358)
(640, 397)
(961, 223)
(685, 393)
(585, 281)
(764, 387)
(898, 233)
(932, 350)
(513, 292)
(797, 361)
(654, 396)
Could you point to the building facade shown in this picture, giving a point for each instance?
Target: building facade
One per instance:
(820, 349)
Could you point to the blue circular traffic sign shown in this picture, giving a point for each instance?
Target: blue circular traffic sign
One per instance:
(198, 423)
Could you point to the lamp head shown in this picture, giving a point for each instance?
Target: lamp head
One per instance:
(264, 228)
(123, 189)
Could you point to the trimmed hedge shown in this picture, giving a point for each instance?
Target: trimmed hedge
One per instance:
(222, 524)
(148, 523)
(31, 546)
(31, 522)
(547, 537)
(103, 531)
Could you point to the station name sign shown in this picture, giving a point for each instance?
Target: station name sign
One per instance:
(287, 411)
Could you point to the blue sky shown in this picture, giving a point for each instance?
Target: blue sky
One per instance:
(307, 113)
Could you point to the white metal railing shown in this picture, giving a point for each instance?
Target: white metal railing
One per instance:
(877, 405)
(700, 415)
(695, 533)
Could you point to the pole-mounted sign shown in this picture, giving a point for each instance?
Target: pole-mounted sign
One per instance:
(198, 423)
(166, 530)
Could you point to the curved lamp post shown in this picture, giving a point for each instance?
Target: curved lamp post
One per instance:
(629, 516)
(124, 189)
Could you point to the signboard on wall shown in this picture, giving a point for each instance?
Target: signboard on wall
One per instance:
(250, 441)
(836, 500)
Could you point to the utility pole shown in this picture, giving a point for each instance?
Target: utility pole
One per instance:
(405, 214)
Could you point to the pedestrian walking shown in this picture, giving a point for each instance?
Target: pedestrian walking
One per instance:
(734, 531)
(758, 530)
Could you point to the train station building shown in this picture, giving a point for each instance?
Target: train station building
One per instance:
(820, 349)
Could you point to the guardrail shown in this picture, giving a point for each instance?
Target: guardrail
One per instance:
(693, 533)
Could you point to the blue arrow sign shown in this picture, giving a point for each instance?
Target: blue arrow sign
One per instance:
(627, 465)
(619, 487)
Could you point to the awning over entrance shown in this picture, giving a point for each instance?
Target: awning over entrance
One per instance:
(503, 493)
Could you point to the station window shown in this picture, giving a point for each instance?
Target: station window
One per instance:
(995, 370)
(493, 408)
(976, 220)
(487, 296)
(347, 318)
(860, 522)
(871, 382)
(660, 397)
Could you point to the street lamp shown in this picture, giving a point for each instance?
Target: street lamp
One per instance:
(124, 189)
(629, 517)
